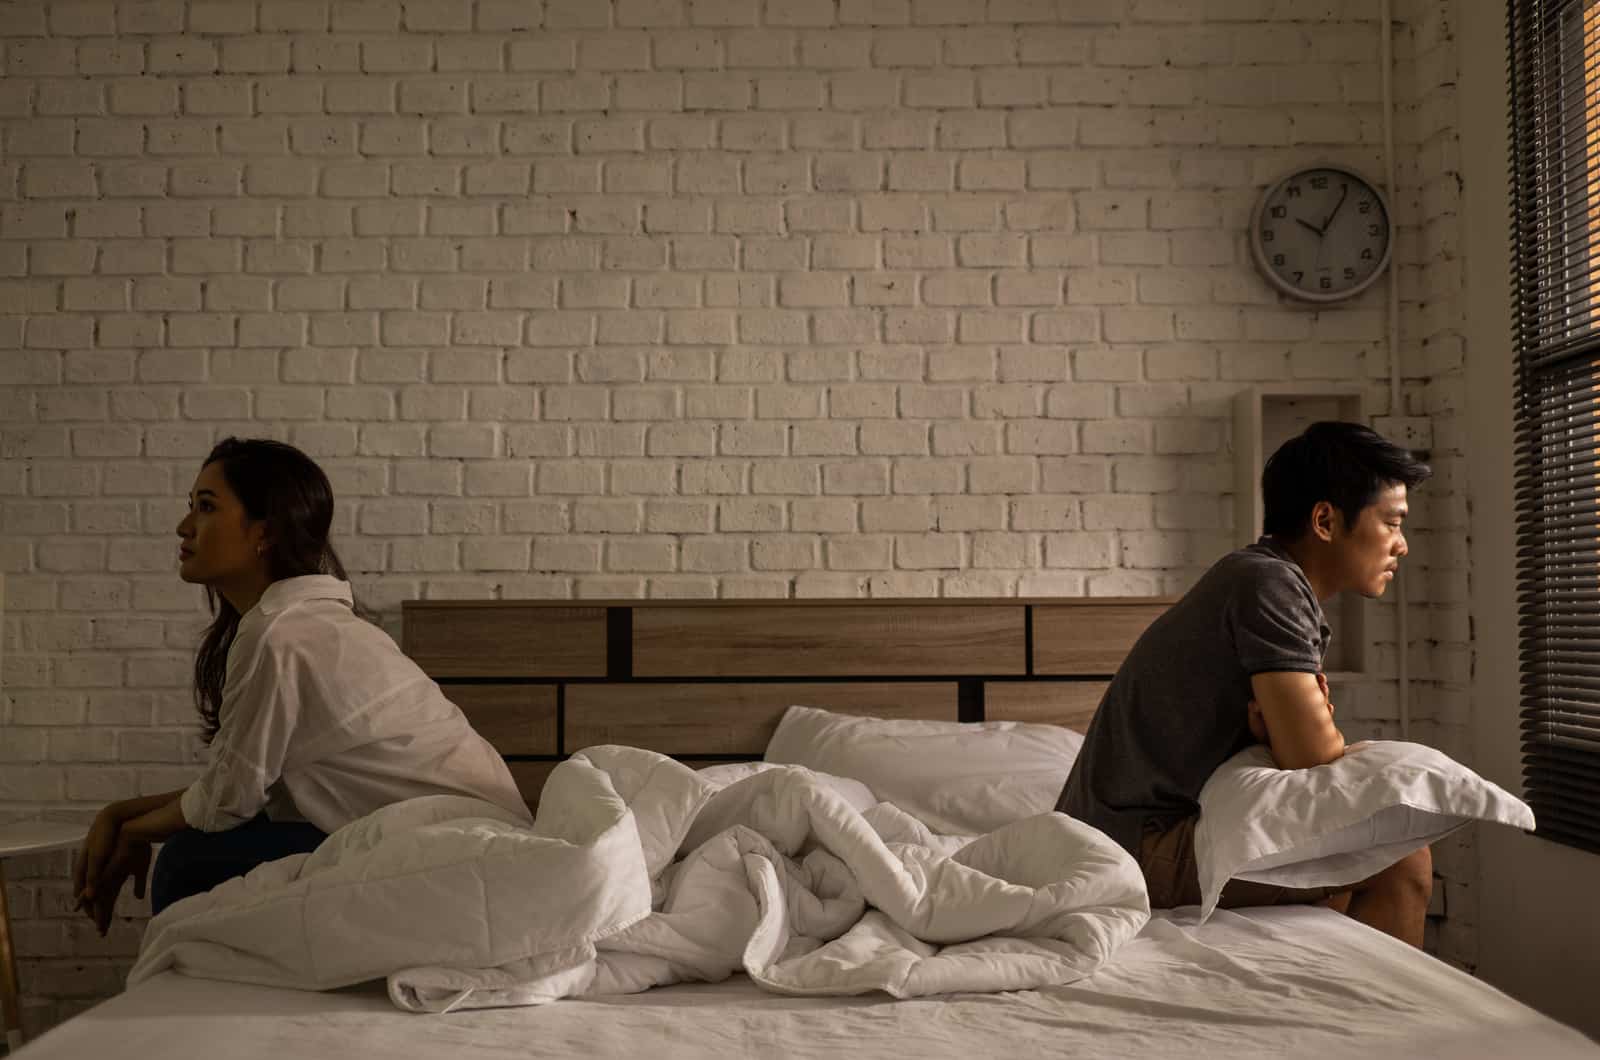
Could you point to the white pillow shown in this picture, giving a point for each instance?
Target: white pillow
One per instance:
(958, 778)
(1336, 824)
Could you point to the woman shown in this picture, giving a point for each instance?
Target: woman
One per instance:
(313, 716)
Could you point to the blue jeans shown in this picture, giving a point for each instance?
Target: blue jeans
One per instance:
(192, 862)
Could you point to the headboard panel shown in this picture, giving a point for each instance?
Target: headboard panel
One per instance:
(709, 680)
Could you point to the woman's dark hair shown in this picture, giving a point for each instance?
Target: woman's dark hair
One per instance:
(1345, 464)
(281, 486)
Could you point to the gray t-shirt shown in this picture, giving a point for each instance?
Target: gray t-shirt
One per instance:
(1177, 708)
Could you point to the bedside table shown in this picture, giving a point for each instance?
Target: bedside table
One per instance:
(16, 839)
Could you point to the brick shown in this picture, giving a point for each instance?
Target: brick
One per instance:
(609, 135)
(944, 89)
(347, 329)
(723, 12)
(1012, 88)
(717, 92)
(790, 92)
(812, 289)
(1028, 289)
(256, 55)
(581, 92)
(397, 55)
(182, 55)
(991, 174)
(698, 327)
(858, 552)
(617, 50)
(921, 172)
(875, 12)
(468, 138)
(84, 97)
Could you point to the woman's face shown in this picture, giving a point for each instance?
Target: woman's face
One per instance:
(218, 542)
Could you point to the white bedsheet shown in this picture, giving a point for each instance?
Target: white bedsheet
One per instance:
(1294, 982)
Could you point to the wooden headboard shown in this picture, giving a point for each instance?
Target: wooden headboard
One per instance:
(708, 680)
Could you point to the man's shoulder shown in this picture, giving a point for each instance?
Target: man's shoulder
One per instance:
(1258, 567)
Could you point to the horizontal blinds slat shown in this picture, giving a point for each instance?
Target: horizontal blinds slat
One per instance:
(1575, 623)
(1550, 756)
(1555, 592)
(1556, 786)
(1545, 730)
(1557, 706)
(1563, 816)
(1571, 775)
(1573, 812)
(1581, 839)
(1571, 743)
(1575, 547)
(1560, 455)
(1559, 520)
(1558, 816)
(1544, 661)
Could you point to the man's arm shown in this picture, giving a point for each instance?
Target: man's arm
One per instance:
(1298, 719)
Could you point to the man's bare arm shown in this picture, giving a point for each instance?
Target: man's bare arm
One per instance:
(1298, 719)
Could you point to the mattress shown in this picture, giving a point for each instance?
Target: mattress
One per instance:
(1303, 982)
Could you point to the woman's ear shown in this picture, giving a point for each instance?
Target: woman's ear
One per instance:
(257, 535)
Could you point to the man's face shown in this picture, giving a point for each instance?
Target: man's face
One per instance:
(1370, 551)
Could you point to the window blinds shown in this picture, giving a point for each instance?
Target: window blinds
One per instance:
(1555, 278)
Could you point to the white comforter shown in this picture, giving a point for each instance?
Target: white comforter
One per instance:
(640, 872)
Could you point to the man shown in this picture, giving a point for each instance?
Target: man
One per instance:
(1239, 659)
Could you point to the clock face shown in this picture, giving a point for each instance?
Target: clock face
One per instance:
(1321, 234)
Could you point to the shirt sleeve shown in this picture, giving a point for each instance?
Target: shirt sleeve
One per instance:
(1277, 625)
(259, 712)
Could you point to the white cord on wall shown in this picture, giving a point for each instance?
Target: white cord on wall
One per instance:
(1401, 630)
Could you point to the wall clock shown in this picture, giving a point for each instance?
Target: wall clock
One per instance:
(1322, 233)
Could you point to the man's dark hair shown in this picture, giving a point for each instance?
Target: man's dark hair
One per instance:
(1345, 464)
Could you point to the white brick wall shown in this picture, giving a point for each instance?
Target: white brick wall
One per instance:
(659, 298)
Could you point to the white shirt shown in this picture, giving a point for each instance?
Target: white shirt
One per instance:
(323, 719)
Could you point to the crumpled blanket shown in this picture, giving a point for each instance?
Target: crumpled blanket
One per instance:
(640, 872)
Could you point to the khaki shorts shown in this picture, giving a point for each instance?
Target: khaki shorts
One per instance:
(1172, 875)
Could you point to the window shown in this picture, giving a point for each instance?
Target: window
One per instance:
(1555, 278)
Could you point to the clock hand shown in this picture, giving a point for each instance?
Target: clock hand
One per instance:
(1344, 191)
(1309, 225)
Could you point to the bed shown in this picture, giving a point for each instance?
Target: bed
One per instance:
(707, 682)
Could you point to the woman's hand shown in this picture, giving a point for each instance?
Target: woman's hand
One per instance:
(129, 857)
(97, 848)
(118, 846)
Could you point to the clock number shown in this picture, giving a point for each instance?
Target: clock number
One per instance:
(1365, 206)
(1299, 277)
(1349, 273)
(1319, 182)
(1294, 191)
(1374, 230)
(1277, 259)
(1279, 211)
(1366, 254)
(1326, 283)
(1267, 235)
